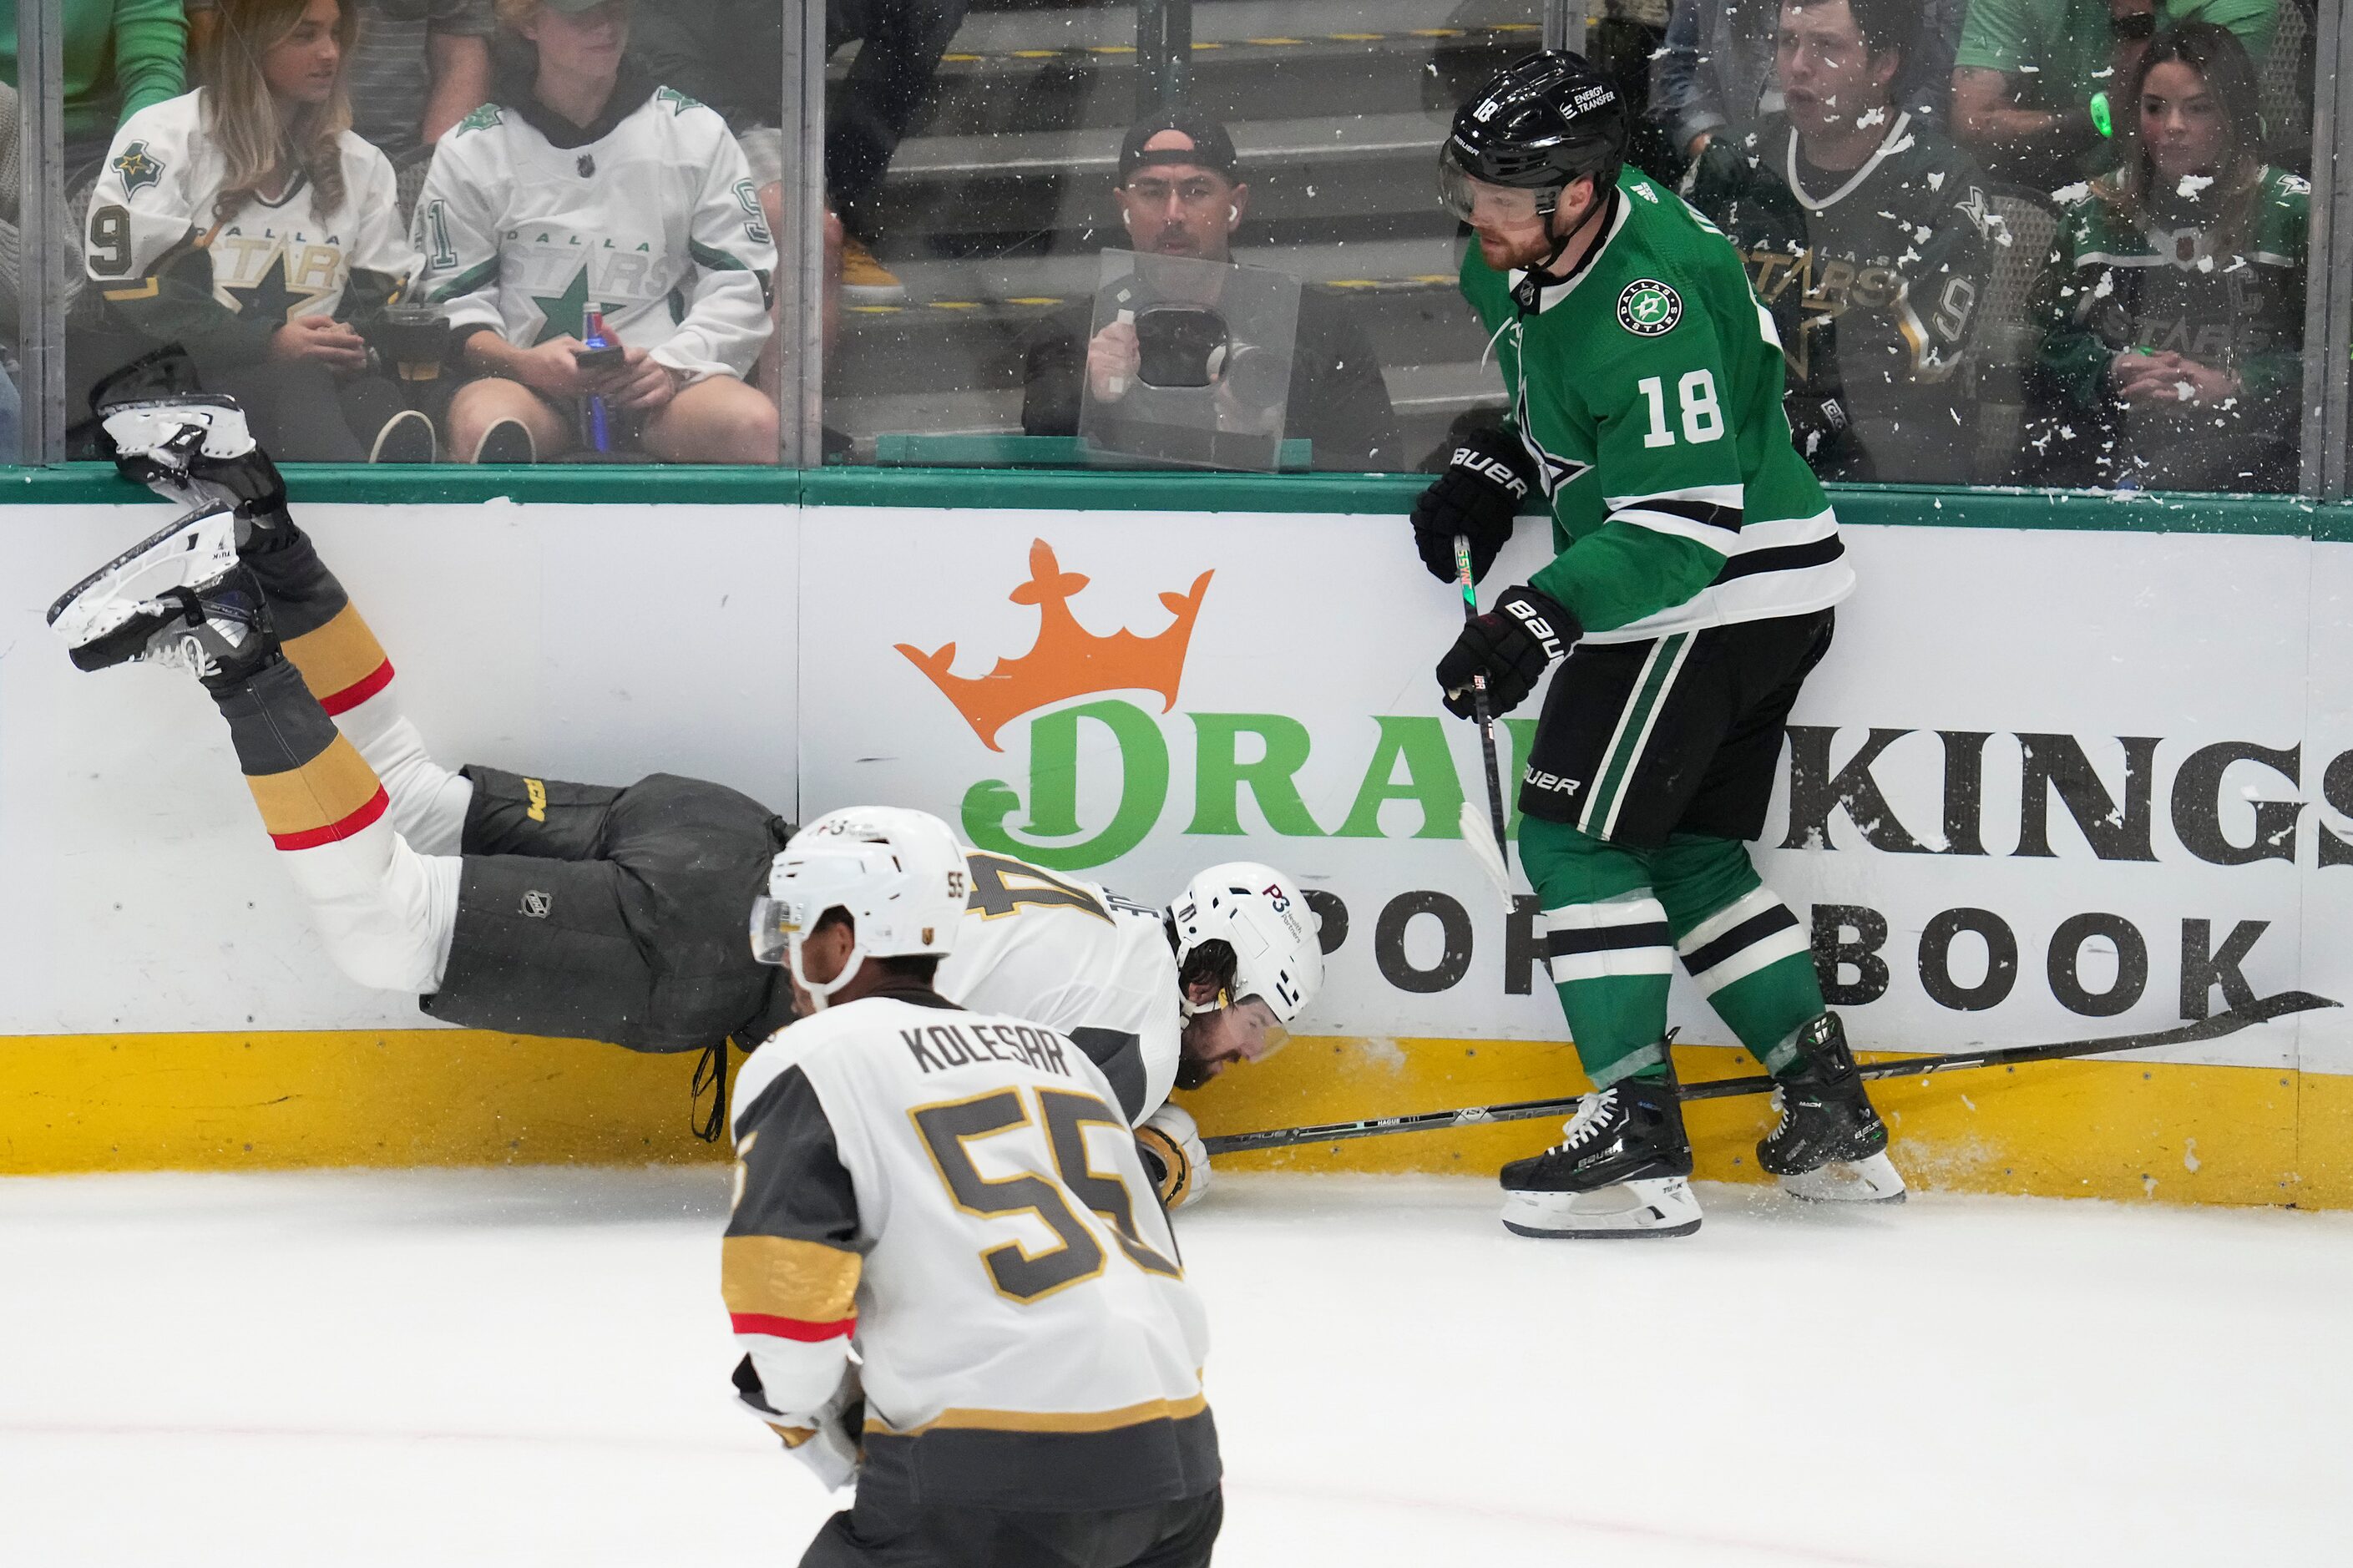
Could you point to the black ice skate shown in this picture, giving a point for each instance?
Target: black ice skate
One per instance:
(1621, 1169)
(1830, 1144)
(108, 617)
(224, 635)
(196, 448)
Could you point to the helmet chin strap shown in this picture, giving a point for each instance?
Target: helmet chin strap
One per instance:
(1592, 213)
(821, 993)
(1196, 1009)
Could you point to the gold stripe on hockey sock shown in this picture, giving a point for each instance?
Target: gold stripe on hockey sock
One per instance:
(342, 662)
(777, 1277)
(332, 796)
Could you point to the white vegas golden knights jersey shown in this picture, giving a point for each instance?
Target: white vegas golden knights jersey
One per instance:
(956, 1196)
(1073, 956)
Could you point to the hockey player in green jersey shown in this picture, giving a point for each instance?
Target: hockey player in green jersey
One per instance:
(1696, 563)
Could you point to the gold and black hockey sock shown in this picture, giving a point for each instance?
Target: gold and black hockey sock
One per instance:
(310, 784)
(320, 630)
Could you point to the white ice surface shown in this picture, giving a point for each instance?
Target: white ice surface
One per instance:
(529, 1367)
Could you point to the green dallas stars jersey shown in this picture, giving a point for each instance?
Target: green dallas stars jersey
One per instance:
(1648, 387)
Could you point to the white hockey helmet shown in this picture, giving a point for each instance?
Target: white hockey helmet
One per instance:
(1260, 915)
(898, 874)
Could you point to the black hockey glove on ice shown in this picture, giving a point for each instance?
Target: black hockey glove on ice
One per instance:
(1478, 496)
(1511, 645)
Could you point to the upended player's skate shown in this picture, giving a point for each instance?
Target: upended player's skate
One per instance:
(1829, 1145)
(180, 595)
(198, 450)
(218, 629)
(1622, 1168)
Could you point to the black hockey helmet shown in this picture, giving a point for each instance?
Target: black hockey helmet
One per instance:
(1541, 122)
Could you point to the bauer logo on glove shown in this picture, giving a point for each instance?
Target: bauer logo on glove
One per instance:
(1513, 644)
(1478, 497)
(1473, 460)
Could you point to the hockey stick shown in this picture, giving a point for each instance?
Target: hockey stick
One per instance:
(2228, 1022)
(1487, 837)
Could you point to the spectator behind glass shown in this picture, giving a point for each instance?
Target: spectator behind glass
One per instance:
(1180, 194)
(584, 184)
(120, 57)
(2026, 71)
(1870, 239)
(726, 53)
(419, 68)
(2174, 300)
(1715, 67)
(247, 222)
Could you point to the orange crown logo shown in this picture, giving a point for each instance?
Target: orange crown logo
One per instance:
(1068, 660)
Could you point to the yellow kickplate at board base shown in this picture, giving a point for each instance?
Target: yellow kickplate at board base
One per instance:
(2120, 1130)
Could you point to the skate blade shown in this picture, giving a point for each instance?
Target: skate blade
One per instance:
(140, 428)
(1660, 1206)
(193, 550)
(1872, 1180)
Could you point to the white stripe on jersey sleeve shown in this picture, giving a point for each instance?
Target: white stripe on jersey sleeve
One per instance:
(1705, 515)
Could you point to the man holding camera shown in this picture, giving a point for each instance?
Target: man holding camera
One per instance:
(1180, 194)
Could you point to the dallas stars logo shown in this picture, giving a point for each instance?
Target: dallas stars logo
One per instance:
(563, 313)
(1649, 308)
(139, 168)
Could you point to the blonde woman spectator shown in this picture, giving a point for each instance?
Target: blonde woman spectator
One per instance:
(247, 222)
(419, 67)
(584, 184)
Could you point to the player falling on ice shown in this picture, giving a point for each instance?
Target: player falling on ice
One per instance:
(1696, 563)
(535, 906)
(954, 1197)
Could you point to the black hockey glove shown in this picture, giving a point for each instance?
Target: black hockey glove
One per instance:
(1478, 496)
(1511, 645)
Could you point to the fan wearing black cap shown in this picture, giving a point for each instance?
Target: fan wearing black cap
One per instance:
(1180, 193)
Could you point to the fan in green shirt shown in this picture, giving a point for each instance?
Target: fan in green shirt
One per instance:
(120, 56)
(2027, 69)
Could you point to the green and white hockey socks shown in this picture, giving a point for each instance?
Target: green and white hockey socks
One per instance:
(1614, 921)
(1608, 946)
(1746, 950)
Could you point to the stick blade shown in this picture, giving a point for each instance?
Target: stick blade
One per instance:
(1480, 835)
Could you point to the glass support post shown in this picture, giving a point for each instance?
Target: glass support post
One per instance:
(1164, 52)
(2328, 266)
(1564, 24)
(41, 234)
(800, 246)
